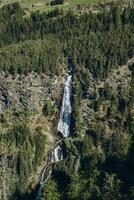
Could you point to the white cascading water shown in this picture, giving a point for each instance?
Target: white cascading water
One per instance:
(42, 182)
(65, 115)
(63, 128)
(56, 154)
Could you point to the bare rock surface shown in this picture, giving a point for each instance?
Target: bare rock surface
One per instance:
(30, 91)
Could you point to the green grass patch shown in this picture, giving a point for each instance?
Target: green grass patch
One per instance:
(44, 5)
(71, 4)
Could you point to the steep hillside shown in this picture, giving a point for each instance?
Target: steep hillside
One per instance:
(29, 111)
(77, 69)
(76, 5)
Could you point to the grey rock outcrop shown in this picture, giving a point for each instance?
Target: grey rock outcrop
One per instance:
(29, 92)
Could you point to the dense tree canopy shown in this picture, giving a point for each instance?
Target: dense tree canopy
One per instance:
(97, 42)
(93, 44)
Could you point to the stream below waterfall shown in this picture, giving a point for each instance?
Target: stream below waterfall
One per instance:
(63, 128)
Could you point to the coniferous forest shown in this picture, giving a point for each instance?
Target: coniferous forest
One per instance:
(98, 159)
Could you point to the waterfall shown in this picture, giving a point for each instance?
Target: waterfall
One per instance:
(63, 128)
(56, 154)
(42, 182)
(65, 115)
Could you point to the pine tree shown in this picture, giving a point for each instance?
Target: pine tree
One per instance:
(111, 188)
(75, 188)
(50, 191)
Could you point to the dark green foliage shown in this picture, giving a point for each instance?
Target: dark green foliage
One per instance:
(48, 109)
(130, 195)
(39, 147)
(27, 152)
(96, 105)
(23, 167)
(97, 42)
(50, 191)
(20, 135)
(56, 2)
(39, 56)
(2, 118)
(75, 188)
(94, 44)
(107, 93)
(119, 145)
(83, 188)
(111, 187)
(87, 146)
(122, 105)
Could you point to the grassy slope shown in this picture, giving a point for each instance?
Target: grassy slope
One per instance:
(33, 5)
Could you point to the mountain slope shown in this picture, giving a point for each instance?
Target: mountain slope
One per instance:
(36, 53)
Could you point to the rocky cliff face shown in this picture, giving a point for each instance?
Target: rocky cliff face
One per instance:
(29, 91)
(117, 84)
(27, 98)
(35, 99)
(104, 5)
(106, 107)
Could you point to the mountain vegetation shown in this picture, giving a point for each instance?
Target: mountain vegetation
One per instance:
(99, 161)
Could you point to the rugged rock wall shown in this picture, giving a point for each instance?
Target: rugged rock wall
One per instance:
(104, 5)
(101, 110)
(29, 91)
(105, 110)
(27, 99)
